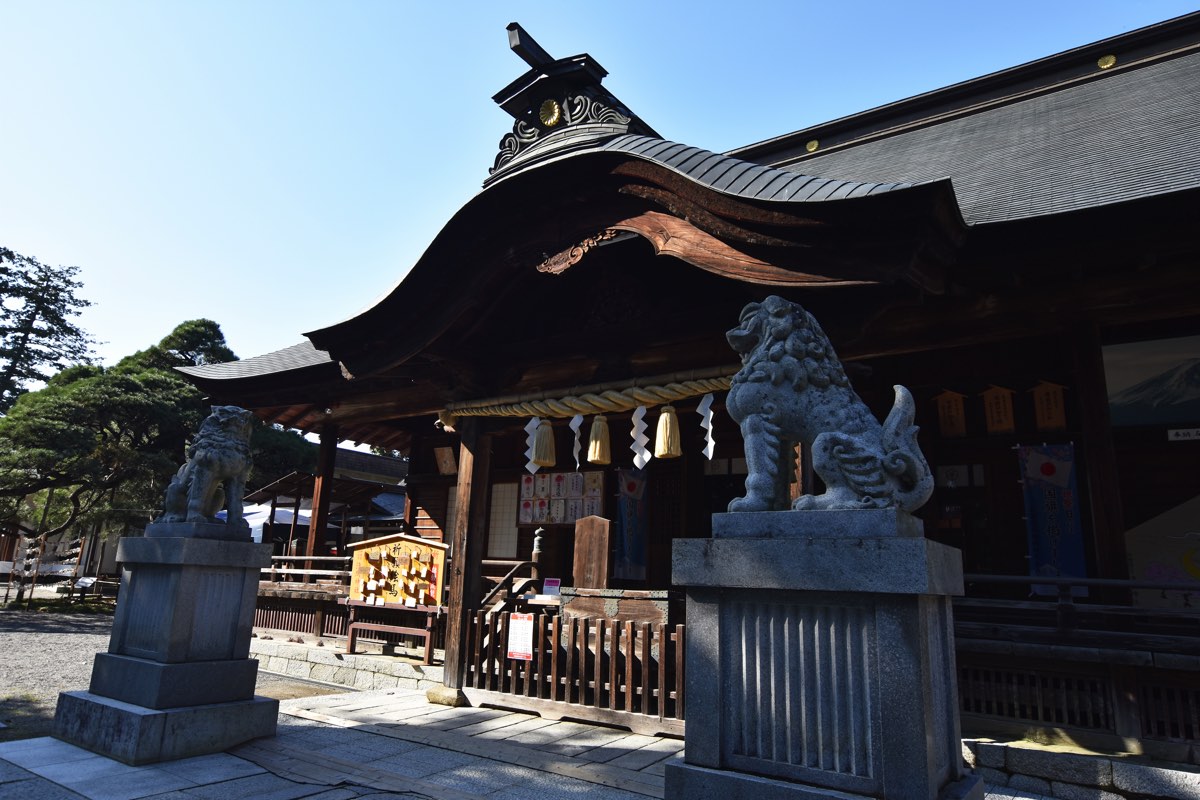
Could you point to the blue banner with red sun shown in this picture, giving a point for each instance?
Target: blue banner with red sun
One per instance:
(1053, 528)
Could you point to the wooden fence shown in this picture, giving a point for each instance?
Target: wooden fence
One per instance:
(601, 670)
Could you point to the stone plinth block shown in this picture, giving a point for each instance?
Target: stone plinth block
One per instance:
(887, 565)
(152, 684)
(238, 532)
(826, 662)
(138, 735)
(870, 522)
(186, 599)
(195, 552)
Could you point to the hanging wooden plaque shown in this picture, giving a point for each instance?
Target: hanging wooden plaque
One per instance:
(998, 410)
(952, 420)
(1049, 407)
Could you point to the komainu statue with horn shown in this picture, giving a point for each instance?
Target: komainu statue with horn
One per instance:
(792, 388)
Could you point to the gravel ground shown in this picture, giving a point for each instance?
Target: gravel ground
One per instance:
(43, 653)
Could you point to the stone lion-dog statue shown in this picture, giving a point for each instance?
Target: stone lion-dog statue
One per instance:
(792, 388)
(214, 475)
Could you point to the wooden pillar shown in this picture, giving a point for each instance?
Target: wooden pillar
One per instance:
(470, 528)
(269, 527)
(1104, 487)
(291, 542)
(322, 488)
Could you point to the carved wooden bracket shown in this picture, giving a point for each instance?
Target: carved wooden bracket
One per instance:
(559, 263)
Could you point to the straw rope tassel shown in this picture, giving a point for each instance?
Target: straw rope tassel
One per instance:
(599, 451)
(666, 440)
(543, 445)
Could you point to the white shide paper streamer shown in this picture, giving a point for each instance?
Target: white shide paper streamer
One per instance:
(706, 422)
(575, 424)
(530, 434)
(641, 455)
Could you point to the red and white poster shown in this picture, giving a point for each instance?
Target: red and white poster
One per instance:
(520, 637)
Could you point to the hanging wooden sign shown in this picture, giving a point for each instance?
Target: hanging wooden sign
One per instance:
(998, 410)
(1049, 407)
(952, 420)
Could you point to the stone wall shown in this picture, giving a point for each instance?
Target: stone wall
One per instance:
(332, 665)
(1057, 772)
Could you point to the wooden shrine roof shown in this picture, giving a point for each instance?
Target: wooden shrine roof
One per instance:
(300, 356)
(740, 178)
(1092, 165)
(1127, 134)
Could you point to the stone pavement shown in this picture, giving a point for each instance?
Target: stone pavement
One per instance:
(367, 744)
(376, 744)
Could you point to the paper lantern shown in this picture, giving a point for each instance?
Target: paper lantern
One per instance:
(598, 448)
(666, 442)
(543, 445)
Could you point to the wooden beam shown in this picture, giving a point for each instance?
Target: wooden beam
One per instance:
(466, 551)
(930, 323)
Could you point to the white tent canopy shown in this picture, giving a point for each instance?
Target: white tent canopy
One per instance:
(256, 517)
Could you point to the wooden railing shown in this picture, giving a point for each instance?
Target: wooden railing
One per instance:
(309, 571)
(1114, 676)
(505, 584)
(622, 673)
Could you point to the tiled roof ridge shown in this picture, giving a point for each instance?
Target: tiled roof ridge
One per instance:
(976, 95)
(297, 356)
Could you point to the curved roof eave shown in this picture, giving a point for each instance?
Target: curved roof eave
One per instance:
(721, 173)
(724, 175)
(302, 356)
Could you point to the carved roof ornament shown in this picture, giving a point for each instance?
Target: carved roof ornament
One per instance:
(560, 262)
(558, 105)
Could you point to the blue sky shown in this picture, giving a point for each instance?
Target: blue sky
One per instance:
(277, 166)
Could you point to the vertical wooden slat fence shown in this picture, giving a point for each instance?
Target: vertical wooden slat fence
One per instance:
(603, 670)
(314, 618)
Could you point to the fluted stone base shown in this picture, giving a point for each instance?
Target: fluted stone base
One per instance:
(700, 783)
(827, 660)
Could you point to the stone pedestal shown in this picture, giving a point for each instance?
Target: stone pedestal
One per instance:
(176, 680)
(820, 660)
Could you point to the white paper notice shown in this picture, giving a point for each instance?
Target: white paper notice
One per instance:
(520, 637)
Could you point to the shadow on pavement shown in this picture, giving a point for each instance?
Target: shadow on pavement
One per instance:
(24, 717)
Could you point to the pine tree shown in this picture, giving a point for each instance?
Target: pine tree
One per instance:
(38, 336)
(107, 441)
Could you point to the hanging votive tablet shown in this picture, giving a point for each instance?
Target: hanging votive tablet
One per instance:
(598, 447)
(666, 442)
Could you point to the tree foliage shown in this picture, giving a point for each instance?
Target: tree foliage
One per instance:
(108, 441)
(192, 343)
(277, 453)
(104, 440)
(38, 335)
